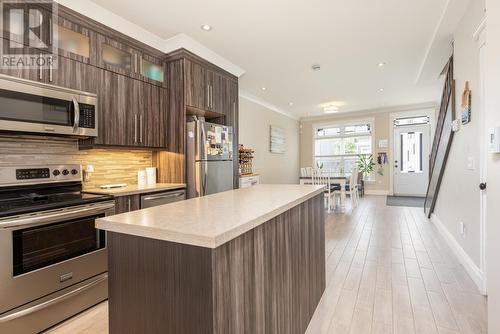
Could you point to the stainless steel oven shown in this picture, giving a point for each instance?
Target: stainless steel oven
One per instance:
(33, 107)
(53, 265)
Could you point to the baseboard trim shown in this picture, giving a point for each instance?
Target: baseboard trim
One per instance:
(472, 269)
(377, 192)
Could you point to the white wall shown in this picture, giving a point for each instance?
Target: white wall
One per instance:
(492, 105)
(254, 122)
(459, 195)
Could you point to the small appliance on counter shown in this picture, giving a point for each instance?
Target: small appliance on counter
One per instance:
(53, 259)
(209, 158)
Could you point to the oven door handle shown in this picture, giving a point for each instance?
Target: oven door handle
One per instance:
(51, 216)
(38, 307)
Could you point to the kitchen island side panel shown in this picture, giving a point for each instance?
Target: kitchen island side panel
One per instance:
(270, 279)
(157, 286)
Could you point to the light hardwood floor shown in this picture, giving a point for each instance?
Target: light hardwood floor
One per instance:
(388, 271)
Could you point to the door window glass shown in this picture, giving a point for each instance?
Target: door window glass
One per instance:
(411, 152)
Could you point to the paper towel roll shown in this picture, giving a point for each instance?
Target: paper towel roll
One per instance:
(141, 178)
(151, 175)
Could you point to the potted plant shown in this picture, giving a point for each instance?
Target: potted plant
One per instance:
(365, 164)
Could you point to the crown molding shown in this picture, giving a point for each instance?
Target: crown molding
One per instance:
(118, 23)
(257, 100)
(183, 41)
(407, 107)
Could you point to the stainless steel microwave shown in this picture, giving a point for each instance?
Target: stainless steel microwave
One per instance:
(34, 107)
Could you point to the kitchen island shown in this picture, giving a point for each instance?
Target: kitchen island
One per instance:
(243, 261)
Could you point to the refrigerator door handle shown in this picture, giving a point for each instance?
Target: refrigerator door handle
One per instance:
(204, 177)
(203, 153)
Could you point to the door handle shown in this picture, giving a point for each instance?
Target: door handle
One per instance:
(76, 120)
(50, 68)
(140, 128)
(135, 128)
(40, 68)
(482, 185)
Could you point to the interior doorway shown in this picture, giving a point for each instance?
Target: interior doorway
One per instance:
(411, 156)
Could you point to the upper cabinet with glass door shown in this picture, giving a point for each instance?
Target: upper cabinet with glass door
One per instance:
(118, 57)
(152, 70)
(73, 41)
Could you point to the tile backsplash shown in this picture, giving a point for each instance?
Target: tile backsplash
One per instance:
(110, 166)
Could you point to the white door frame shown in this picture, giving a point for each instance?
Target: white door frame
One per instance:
(480, 37)
(431, 113)
(416, 178)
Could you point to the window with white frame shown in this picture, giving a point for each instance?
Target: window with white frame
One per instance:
(337, 146)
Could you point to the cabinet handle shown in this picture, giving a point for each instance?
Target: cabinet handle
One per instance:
(51, 40)
(211, 97)
(40, 69)
(208, 96)
(129, 204)
(135, 62)
(135, 128)
(51, 59)
(140, 128)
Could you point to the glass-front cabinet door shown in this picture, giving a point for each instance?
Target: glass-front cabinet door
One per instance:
(152, 70)
(118, 57)
(73, 41)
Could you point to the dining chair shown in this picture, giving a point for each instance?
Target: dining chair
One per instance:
(351, 189)
(319, 177)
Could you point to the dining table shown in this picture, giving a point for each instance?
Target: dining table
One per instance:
(337, 178)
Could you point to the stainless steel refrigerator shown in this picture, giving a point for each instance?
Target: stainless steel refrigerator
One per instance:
(209, 158)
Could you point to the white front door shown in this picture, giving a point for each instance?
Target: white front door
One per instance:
(411, 160)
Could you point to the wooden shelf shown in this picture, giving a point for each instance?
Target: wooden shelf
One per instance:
(193, 111)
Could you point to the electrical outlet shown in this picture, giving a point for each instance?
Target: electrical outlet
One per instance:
(462, 229)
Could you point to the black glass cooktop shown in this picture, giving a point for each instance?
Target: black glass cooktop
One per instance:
(16, 201)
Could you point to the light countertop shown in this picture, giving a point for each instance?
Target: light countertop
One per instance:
(212, 220)
(135, 189)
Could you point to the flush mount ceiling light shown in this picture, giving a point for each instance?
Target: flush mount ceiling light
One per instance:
(330, 109)
(382, 64)
(381, 90)
(290, 104)
(206, 27)
(316, 67)
(263, 88)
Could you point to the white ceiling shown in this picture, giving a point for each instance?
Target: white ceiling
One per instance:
(278, 41)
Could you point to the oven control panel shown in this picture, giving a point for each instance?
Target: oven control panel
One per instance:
(18, 175)
(32, 173)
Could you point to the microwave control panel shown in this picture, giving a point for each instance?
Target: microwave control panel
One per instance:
(87, 116)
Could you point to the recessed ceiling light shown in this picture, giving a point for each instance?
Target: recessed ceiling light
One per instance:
(263, 88)
(381, 64)
(316, 67)
(381, 90)
(206, 27)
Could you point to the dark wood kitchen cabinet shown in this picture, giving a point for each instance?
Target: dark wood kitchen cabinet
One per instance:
(127, 203)
(131, 112)
(117, 57)
(197, 89)
(74, 74)
(206, 88)
(73, 41)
